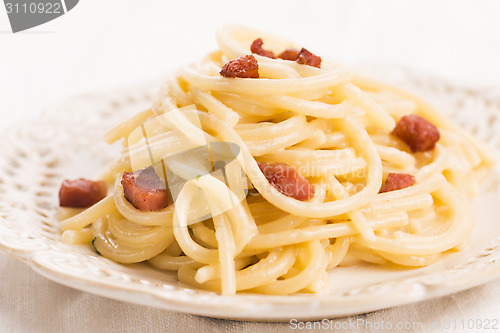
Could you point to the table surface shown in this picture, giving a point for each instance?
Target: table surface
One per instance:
(101, 45)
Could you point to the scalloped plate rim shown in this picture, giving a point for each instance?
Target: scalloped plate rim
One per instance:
(218, 305)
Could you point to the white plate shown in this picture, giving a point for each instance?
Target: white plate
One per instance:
(65, 142)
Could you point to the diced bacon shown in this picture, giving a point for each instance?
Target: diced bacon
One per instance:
(256, 48)
(145, 190)
(302, 57)
(287, 180)
(397, 181)
(289, 54)
(244, 67)
(81, 193)
(307, 58)
(417, 132)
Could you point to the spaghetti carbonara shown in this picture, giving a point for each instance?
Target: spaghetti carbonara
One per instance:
(264, 166)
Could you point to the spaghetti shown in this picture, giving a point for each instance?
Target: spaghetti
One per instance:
(237, 226)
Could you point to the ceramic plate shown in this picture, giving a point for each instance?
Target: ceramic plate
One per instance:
(65, 141)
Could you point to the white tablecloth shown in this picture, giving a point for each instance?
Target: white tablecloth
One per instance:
(100, 44)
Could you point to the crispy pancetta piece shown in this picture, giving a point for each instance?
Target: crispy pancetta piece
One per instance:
(81, 193)
(145, 190)
(256, 48)
(287, 180)
(417, 132)
(397, 181)
(244, 67)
